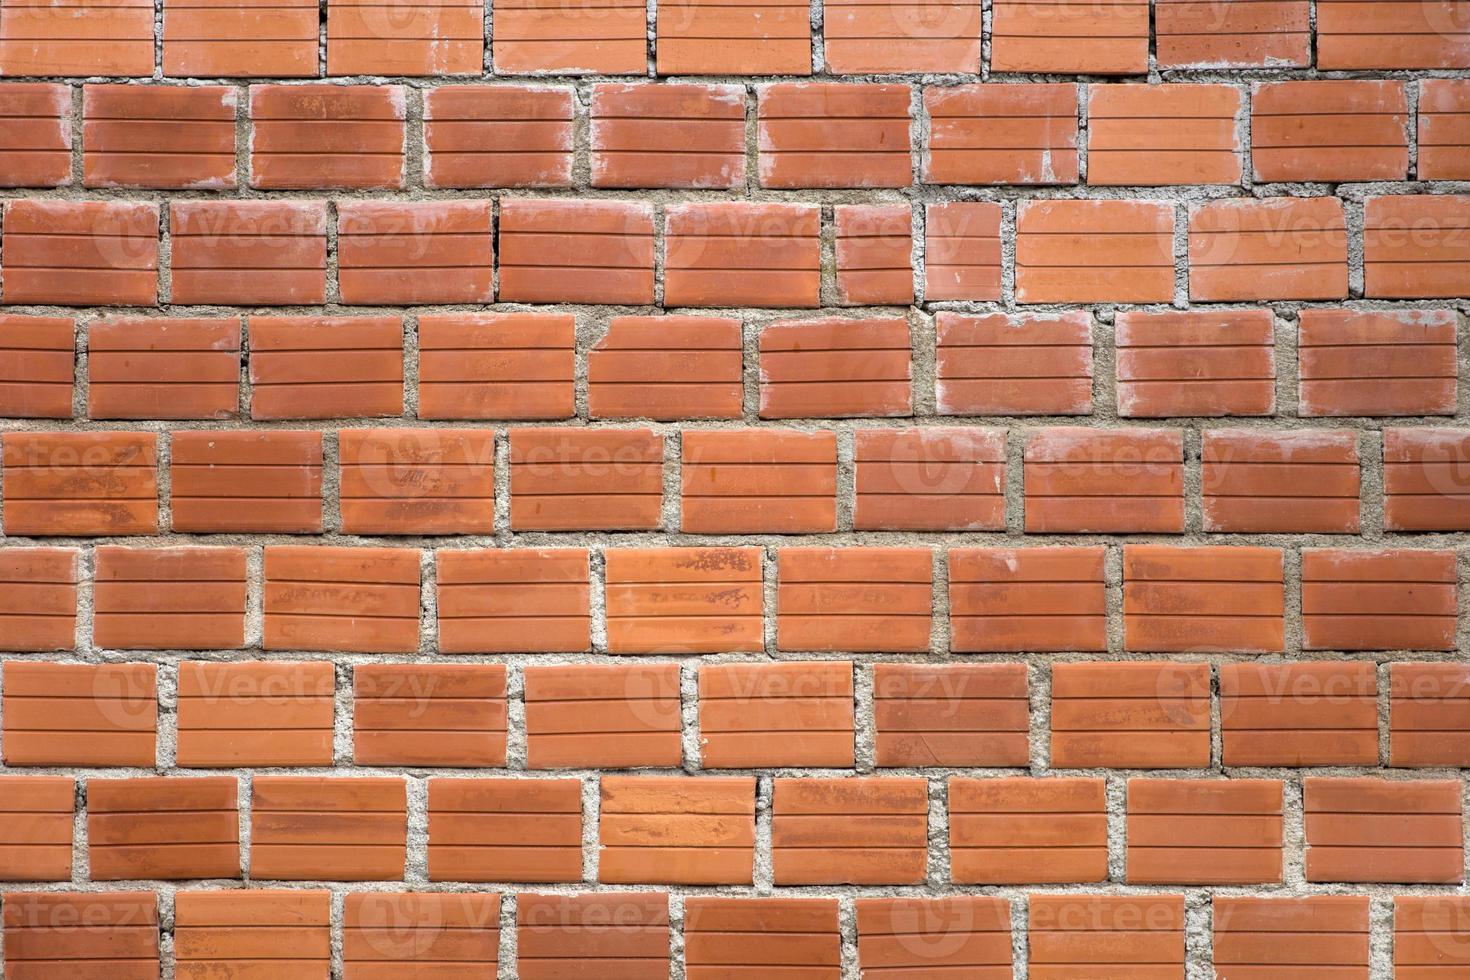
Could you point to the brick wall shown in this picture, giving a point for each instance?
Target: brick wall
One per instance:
(554, 491)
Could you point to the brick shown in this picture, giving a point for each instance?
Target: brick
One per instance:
(576, 251)
(368, 37)
(549, 37)
(81, 253)
(38, 603)
(742, 253)
(1279, 938)
(858, 831)
(1330, 130)
(92, 715)
(1307, 714)
(1111, 481)
(80, 483)
(35, 132)
(310, 137)
(1130, 715)
(816, 134)
(101, 37)
(38, 813)
(507, 829)
(497, 136)
(1378, 600)
(874, 247)
(249, 253)
(1390, 34)
(306, 828)
(255, 714)
(962, 251)
(524, 600)
(1376, 363)
(1006, 364)
(572, 479)
(158, 136)
(776, 715)
(37, 366)
(856, 599)
(1023, 829)
(1177, 363)
(415, 253)
(392, 934)
(496, 365)
(451, 715)
(676, 830)
(668, 135)
(749, 937)
(684, 600)
(163, 368)
(1429, 936)
(970, 934)
(352, 600)
(758, 37)
(1376, 830)
(1163, 134)
(417, 481)
(325, 367)
(586, 716)
(666, 368)
(261, 481)
(163, 828)
(225, 935)
(755, 481)
(1105, 936)
(1024, 133)
(169, 598)
(950, 715)
(1427, 720)
(1236, 33)
(1204, 831)
(1415, 246)
(902, 38)
(120, 939)
(930, 479)
(1304, 481)
(604, 934)
(1424, 488)
(835, 369)
(1014, 600)
(238, 39)
(1070, 37)
(1273, 249)
(1202, 599)
(1094, 251)
(1443, 134)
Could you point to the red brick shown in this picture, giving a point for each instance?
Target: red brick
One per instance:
(1272, 249)
(835, 369)
(157, 368)
(555, 37)
(1391, 34)
(368, 37)
(164, 828)
(816, 134)
(262, 481)
(325, 367)
(1378, 830)
(859, 599)
(1105, 936)
(970, 934)
(94, 37)
(169, 598)
(1130, 716)
(1177, 363)
(38, 603)
(950, 715)
(393, 934)
(1378, 600)
(225, 935)
(35, 133)
(874, 249)
(255, 714)
(1070, 38)
(1001, 134)
(512, 365)
(678, 830)
(523, 600)
(307, 828)
(80, 483)
(930, 479)
(1395, 362)
(119, 940)
(1424, 483)
(1429, 715)
(962, 251)
(159, 136)
(758, 481)
(742, 253)
(1014, 600)
(327, 136)
(665, 367)
(749, 937)
(1304, 481)
(565, 479)
(849, 831)
(90, 715)
(684, 600)
(1330, 131)
(415, 253)
(497, 136)
(249, 253)
(1429, 936)
(417, 481)
(1009, 364)
(510, 829)
(711, 37)
(584, 716)
(1094, 251)
(1308, 714)
(1023, 829)
(81, 253)
(776, 715)
(1416, 245)
(1100, 480)
(38, 814)
(576, 251)
(352, 600)
(37, 366)
(909, 37)
(237, 39)
(1204, 831)
(1202, 599)
(603, 935)
(1236, 33)
(1163, 134)
(429, 715)
(1280, 938)
(1444, 129)
(673, 135)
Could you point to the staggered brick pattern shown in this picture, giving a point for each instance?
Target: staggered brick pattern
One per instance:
(734, 489)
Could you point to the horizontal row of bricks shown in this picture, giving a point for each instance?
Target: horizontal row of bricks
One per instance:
(706, 37)
(681, 135)
(712, 600)
(727, 253)
(239, 935)
(791, 714)
(871, 830)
